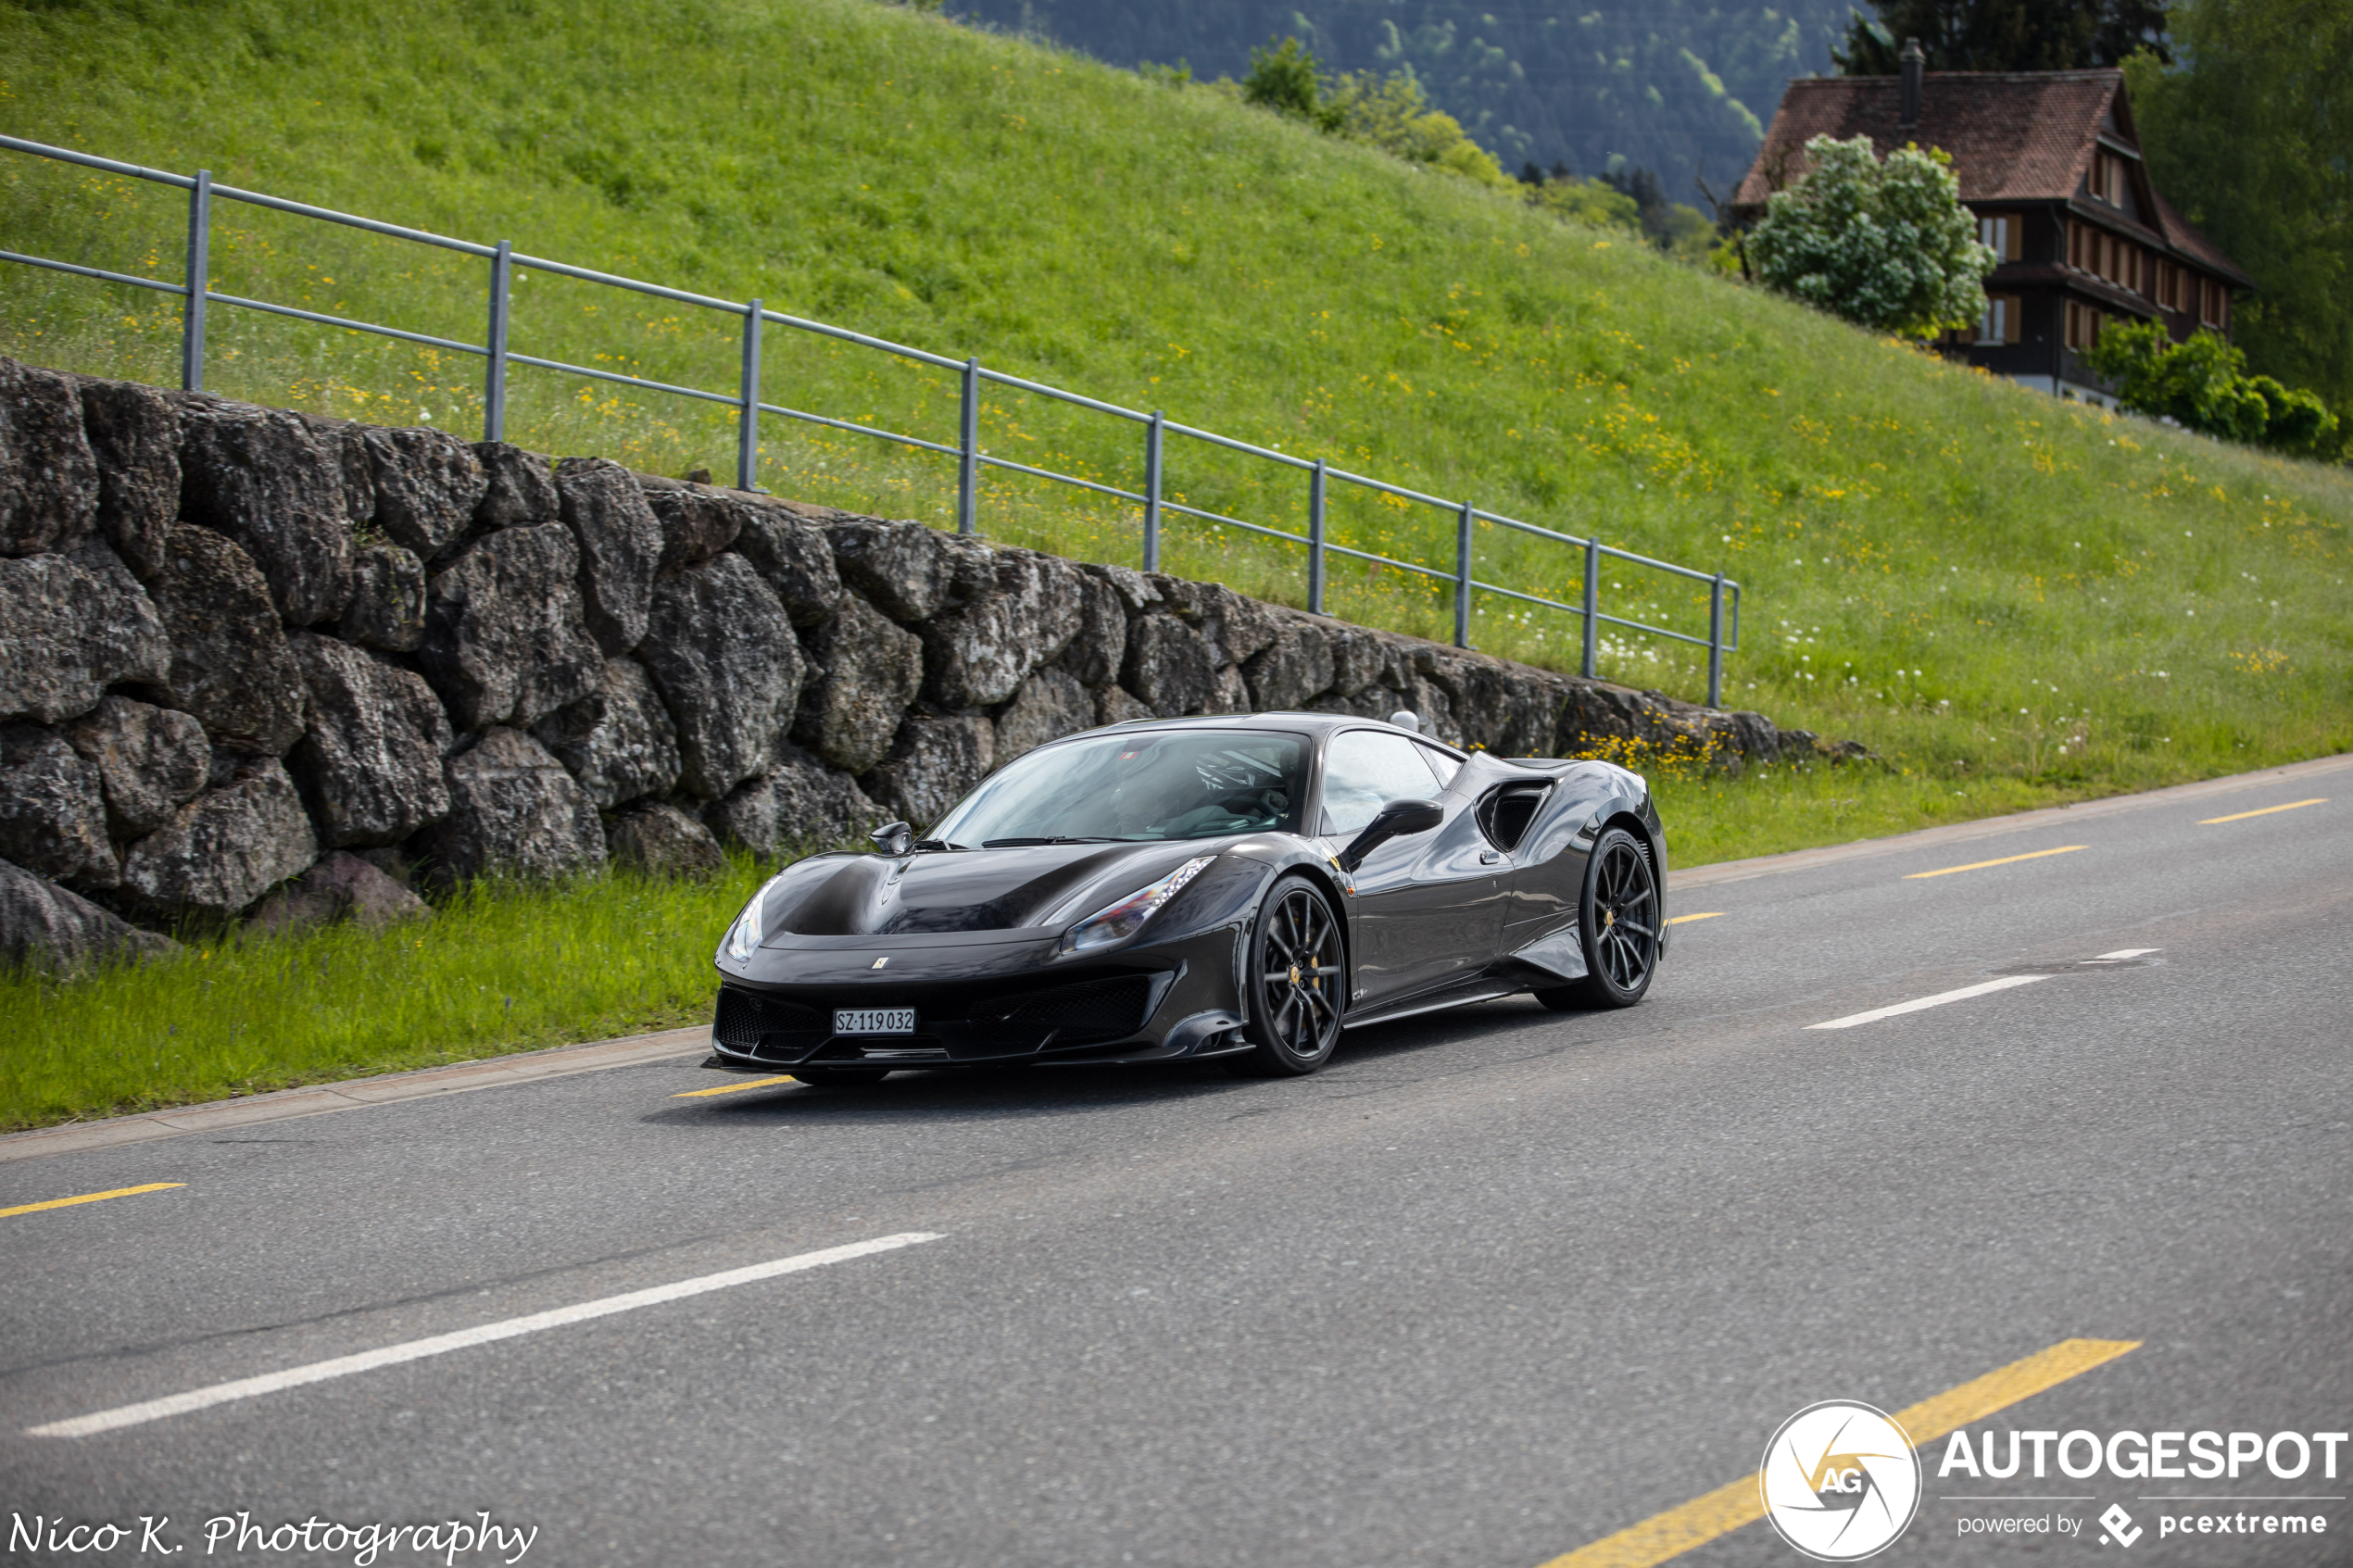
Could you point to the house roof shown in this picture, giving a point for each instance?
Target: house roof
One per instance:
(2015, 136)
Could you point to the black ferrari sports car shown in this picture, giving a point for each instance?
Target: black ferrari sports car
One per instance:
(1237, 888)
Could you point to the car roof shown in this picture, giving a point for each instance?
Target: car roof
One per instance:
(1289, 720)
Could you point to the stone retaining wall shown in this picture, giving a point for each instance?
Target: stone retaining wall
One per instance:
(255, 665)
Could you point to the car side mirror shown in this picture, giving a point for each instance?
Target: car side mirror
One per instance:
(1395, 819)
(894, 838)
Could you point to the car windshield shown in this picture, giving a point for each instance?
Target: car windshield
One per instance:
(1143, 784)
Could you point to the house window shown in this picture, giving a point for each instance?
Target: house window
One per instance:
(1999, 235)
(2082, 325)
(2108, 178)
(2000, 322)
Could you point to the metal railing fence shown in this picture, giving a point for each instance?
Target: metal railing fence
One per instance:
(197, 294)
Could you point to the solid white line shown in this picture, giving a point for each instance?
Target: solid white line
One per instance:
(1936, 1002)
(464, 1339)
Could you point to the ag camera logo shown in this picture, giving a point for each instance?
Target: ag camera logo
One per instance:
(1840, 1481)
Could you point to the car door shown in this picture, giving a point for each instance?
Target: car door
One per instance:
(1429, 906)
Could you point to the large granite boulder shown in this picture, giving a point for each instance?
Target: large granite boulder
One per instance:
(134, 436)
(151, 760)
(933, 764)
(387, 608)
(975, 656)
(72, 626)
(802, 804)
(505, 637)
(370, 764)
(428, 483)
(722, 653)
(514, 810)
(793, 557)
(1050, 704)
(620, 542)
(48, 476)
(273, 482)
(910, 571)
(53, 813)
(1115, 705)
(1294, 665)
(340, 887)
(1360, 658)
(225, 848)
(230, 666)
(518, 487)
(1236, 627)
(1099, 646)
(661, 840)
(617, 742)
(698, 522)
(44, 926)
(1168, 666)
(867, 670)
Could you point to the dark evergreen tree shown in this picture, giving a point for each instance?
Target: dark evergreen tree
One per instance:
(2004, 34)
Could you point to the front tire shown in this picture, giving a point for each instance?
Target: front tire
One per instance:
(1299, 983)
(1618, 924)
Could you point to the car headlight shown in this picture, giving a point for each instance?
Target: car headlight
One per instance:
(1118, 921)
(743, 939)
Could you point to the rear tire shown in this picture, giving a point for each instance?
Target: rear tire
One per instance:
(1299, 983)
(1617, 924)
(841, 1077)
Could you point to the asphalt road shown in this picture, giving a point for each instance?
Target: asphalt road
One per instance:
(1491, 1287)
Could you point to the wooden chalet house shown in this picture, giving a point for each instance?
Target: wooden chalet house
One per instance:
(2050, 164)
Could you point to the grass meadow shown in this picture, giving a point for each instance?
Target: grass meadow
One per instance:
(2012, 601)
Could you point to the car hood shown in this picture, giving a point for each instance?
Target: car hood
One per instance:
(939, 891)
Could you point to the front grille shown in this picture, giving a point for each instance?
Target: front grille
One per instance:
(753, 1025)
(1100, 1010)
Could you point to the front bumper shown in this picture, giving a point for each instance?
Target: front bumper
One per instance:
(1004, 1001)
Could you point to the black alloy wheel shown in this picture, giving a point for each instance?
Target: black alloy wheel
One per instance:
(1299, 983)
(841, 1077)
(1618, 924)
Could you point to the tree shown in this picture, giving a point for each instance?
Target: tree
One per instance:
(2202, 384)
(1284, 77)
(1888, 246)
(2251, 136)
(2004, 34)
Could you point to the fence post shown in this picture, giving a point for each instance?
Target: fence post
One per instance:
(968, 452)
(1463, 578)
(199, 267)
(1152, 491)
(1592, 599)
(494, 384)
(1716, 643)
(748, 421)
(1315, 539)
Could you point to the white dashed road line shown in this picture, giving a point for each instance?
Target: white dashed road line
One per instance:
(464, 1339)
(1983, 987)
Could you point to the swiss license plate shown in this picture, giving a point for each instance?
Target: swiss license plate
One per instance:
(873, 1021)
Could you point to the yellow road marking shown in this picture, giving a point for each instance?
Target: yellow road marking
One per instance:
(2007, 860)
(733, 1088)
(1667, 1534)
(2242, 816)
(1712, 914)
(87, 1197)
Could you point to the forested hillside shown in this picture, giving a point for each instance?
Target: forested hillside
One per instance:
(1684, 87)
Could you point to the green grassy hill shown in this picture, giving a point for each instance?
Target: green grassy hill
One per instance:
(2011, 597)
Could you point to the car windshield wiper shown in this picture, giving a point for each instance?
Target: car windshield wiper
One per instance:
(935, 843)
(1024, 843)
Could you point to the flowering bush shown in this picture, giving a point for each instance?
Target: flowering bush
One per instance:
(1888, 246)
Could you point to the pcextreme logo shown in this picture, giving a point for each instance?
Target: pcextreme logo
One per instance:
(1840, 1481)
